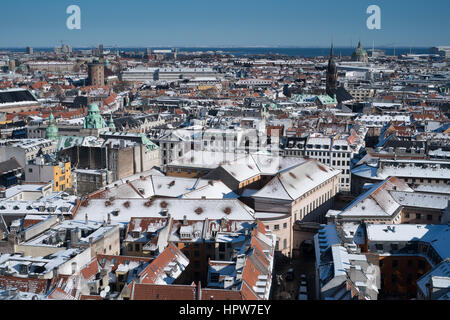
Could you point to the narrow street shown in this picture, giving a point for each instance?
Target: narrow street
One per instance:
(288, 289)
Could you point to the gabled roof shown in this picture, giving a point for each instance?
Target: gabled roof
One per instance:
(293, 183)
(377, 201)
(156, 272)
(113, 262)
(90, 270)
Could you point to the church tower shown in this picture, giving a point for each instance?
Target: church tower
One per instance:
(51, 132)
(332, 75)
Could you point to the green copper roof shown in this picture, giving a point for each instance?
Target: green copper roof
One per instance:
(111, 123)
(94, 119)
(150, 145)
(93, 108)
(52, 130)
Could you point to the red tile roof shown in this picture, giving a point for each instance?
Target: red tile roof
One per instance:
(162, 292)
(60, 294)
(91, 298)
(151, 273)
(119, 260)
(90, 271)
(221, 295)
(37, 286)
(144, 223)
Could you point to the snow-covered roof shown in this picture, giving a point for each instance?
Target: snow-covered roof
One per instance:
(418, 199)
(437, 236)
(377, 201)
(441, 275)
(293, 183)
(122, 210)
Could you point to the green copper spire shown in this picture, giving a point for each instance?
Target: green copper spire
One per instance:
(112, 126)
(51, 132)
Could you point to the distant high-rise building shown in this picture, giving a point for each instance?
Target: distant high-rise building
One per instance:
(443, 51)
(29, 50)
(96, 73)
(332, 75)
(66, 49)
(100, 50)
(12, 64)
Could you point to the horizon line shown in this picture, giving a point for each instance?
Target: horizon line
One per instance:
(224, 47)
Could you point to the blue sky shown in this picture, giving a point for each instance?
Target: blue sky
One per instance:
(150, 23)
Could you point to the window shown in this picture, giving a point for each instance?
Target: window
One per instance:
(285, 226)
(421, 264)
(215, 277)
(394, 279)
(394, 247)
(409, 279)
(197, 253)
(196, 264)
(418, 216)
(429, 217)
(276, 227)
(394, 263)
(285, 244)
(379, 247)
(136, 247)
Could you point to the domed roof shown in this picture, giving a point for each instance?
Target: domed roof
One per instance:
(360, 54)
(93, 108)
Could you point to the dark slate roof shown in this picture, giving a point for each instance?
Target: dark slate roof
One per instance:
(122, 122)
(16, 96)
(18, 124)
(9, 165)
(341, 94)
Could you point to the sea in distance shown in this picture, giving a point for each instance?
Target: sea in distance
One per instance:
(254, 51)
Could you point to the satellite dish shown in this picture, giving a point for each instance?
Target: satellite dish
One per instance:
(103, 294)
(107, 289)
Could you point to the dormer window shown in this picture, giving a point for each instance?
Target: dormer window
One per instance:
(136, 234)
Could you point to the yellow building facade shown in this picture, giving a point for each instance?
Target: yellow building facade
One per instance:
(62, 177)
